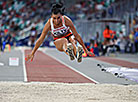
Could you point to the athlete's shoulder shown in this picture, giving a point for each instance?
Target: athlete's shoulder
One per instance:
(68, 21)
(47, 26)
(48, 22)
(66, 18)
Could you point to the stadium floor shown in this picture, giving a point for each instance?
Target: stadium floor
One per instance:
(50, 65)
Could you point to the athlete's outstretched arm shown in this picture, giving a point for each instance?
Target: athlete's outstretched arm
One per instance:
(39, 41)
(75, 33)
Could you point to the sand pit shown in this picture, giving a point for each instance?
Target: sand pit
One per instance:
(63, 92)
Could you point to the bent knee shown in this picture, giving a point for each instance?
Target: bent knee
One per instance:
(59, 43)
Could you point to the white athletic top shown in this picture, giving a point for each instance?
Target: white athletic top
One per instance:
(61, 31)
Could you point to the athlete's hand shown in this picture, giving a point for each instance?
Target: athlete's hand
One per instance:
(90, 53)
(29, 57)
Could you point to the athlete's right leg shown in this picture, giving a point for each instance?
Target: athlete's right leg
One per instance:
(73, 42)
(78, 51)
(63, 45)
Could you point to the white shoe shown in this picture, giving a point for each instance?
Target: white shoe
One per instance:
(79, 53)
(70, 51)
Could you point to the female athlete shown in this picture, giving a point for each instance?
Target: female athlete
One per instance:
(62, 30)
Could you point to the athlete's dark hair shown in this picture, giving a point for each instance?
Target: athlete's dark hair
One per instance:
(58, 8)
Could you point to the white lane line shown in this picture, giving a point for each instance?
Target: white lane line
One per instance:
(24, 68)
(1, 64)
(72, 68)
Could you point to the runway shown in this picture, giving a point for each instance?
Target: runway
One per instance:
(50, 65)
(46, 69)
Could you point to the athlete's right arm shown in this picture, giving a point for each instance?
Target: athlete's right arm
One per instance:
(39, 41)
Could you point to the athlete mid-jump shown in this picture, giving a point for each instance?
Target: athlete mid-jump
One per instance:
(62, 30)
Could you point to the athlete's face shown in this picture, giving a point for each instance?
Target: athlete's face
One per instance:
(56, 18)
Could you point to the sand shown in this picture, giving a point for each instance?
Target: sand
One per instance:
(63, 92)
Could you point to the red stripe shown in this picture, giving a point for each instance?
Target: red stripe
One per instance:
(118, 62)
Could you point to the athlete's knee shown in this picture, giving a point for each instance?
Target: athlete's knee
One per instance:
(59, 49)
(59, 43)
(65, 40)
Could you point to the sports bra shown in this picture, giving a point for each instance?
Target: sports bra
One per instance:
(60, 31)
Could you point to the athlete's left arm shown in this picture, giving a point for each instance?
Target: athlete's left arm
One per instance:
(69, 23)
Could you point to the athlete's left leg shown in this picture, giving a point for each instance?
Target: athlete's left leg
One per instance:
(61, 44)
